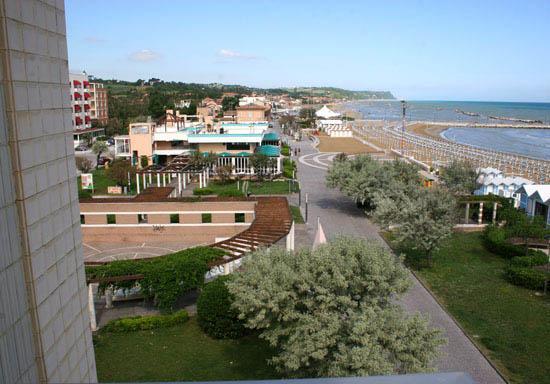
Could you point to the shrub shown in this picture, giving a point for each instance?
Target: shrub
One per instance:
(525, 277)
(165, 278)
(288, 168)
(215, 315)
(230, 193)
(535, 258)
(203, 191)
(494, 239)
(142, 323)
(285, 150)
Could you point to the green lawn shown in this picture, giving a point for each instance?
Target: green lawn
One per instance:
(180, 353)
(277, 187)
(296, 214)
(101, 182)
(510, 323)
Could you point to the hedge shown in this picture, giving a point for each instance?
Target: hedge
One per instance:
(535, 258)
(214, 313)
(494, 239)
(203, 191)
(142, 323)
(525, 277)
(166, 278)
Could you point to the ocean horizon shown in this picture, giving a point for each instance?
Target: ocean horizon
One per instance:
(530, 142)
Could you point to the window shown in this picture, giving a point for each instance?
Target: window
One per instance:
(174, 218)
(82, 219)
(142, 218)
(206, 218)
(237, 146)
(239, 217)
(111, 219)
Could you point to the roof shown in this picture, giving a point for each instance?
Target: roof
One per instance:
(326, 113)
(268, 150)
(488, 170)
(508, 180)
(538, 191)
(271, 136)
(254, 107)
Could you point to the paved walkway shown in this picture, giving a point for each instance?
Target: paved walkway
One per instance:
(339, 215)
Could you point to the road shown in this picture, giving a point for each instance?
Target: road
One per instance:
(339, 215)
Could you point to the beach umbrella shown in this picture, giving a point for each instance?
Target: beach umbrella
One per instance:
(320, 237)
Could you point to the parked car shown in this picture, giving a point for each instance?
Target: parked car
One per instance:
(103, 160)
(81, 147)
(111, 141)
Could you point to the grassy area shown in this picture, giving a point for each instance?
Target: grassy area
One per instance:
(511, 324)
(101, 182)
(296, 214)
(277, 187)
(289, 168)
(180, 353)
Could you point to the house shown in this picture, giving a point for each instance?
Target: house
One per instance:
(251, 112)
(535, 200)
(175, 135)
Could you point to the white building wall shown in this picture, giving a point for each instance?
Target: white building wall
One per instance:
(44, 326)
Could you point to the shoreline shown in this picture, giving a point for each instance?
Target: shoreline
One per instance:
(430, 130)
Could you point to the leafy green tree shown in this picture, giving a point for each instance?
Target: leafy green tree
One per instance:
(527, 229)
(98, 148)
(422, 219)
(229, 103)
(460, 177)
(332, 312)
(119, 170)
(158, 102)
(143, 161)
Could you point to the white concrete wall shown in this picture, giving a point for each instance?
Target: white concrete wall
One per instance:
(44, 325)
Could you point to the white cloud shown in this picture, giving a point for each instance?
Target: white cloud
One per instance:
(230, 54)
(144, 56)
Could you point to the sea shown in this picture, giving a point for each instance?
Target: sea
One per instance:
(530, 142)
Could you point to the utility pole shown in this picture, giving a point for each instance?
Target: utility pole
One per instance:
(404, 108)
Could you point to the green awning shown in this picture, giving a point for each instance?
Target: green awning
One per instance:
(243, 154)
(268, 150)
(271, 136)
(224, 154)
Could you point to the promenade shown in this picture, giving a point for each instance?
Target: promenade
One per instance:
(339, 215)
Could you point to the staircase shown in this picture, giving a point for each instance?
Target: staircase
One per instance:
(272, 222)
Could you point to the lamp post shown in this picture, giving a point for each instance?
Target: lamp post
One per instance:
(547, 237)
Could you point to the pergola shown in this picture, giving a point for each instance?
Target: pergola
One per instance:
(179, 167)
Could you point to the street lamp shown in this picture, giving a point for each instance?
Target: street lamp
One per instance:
(547, 238)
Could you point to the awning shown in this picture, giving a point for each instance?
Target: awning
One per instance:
(268, 150)
(76, 83)
(243, 154)
(271, 136)
(224, 154)
(77, 96)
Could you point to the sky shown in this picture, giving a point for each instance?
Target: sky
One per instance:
(418, 50)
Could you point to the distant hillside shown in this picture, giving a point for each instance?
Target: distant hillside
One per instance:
(338, 93)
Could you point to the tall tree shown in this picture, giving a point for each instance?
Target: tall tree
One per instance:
(460, 177)
(120, 170)
(422, 219)
(331, 311)
(98, 148)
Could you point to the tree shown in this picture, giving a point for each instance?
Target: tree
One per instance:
(261, 163)
(224, 172)
(98, 148)
(422, 219)
(119, 170)
(143, 161)
(332, 311)
(229, 103)
(527, 228)
(158, 102)
(83, 164)
(459, 177)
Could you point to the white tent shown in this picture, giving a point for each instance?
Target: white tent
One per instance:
(326, 113)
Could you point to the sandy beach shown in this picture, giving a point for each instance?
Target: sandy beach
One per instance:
(433, 131)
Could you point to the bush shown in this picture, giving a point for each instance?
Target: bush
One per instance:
(494, 239)
(215, 315)
(285, 150)
(535, 258)
(525, 277)
(142, 323)
(203, 191)
(166, 278)
(231, 193)
(288, 168)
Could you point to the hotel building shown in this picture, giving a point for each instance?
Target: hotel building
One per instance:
(45, 331)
